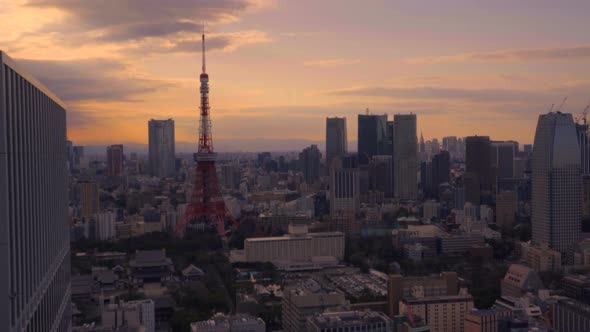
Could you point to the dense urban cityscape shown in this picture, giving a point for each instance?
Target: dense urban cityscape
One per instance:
(395, 233)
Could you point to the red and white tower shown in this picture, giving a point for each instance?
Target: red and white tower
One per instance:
(206, 204)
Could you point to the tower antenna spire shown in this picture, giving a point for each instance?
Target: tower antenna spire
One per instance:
(203, 45)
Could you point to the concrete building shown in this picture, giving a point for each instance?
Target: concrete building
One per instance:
(344, 186)
(309, 160)
(580, 253)
(234, 323)
(399, 287)
(556, 180)
(520, 280)
(35, 235)
(449, 244)
(405, 157)
(305, 299)
(372, 137)
(115, 160)
(105, 225)
(89, 198)
(132, 314)
(570, 315)
(576, 287)
(441, 313)
(506, 209)
(297, 246)
(485, 320)
(336, 139)
(542, 258)
(345, 321)
(162, 153)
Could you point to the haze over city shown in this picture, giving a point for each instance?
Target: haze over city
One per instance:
(281, 67)
(289, 166)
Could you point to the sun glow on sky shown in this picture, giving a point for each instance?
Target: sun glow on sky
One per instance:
(278, 68)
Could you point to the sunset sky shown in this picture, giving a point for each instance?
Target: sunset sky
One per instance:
(277, 68)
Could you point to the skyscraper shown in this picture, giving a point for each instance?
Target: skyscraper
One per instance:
(161, 148)
(115, 160)
(35, 247)
(89, 198)
(478, 161)
(584, 143)
(441, 170)
(405, 160)
(336, 139)
(556, 181)
(502, 161)
(381, 174)
(309, 159)
(344, 186)
(372, 136)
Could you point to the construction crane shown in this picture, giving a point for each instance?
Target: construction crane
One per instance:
(551, 108)
(583, 115)
(561, 105)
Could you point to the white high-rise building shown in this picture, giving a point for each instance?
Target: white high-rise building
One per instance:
(34, 232)
(162, 155)
(556, 182)
(132, 314)
(405, 156)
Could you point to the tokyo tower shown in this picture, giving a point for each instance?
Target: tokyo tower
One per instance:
(206, 204)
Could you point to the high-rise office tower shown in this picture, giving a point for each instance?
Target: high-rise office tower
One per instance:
(372, 136)
(78, 154)
(344, 186)
(309, 160)
(162, 155)
(441, 170)
(336, 139)
(115, 160)
(556, 181)
(478, 161)
(89, 198)
(584, 143)
(502, 162)
(405, 160)
(35, 237)
(381, 174)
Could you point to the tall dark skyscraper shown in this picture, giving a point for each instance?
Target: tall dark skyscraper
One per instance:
(35, 237)
(478, 161)
(162, 155)
(502, 162)
(405, 158)
(556, 182)
(344, 186)
(115, 160)
(309, 160)
(584, 143)
(372, 136)
(336, 139)
(441, 170)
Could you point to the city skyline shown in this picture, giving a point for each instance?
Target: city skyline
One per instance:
(140, 64)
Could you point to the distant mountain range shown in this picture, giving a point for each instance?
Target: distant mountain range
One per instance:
(221, 145)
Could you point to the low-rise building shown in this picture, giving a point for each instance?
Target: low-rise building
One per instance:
(399, 287)
(344, 321)
(235, 323)
(570, 315)
(297, 246)
(306, 299)
(441, 313)
(458, 243)
(542, 258)
(485, 320)
(520, 280)
(150, 265)
(132, 314)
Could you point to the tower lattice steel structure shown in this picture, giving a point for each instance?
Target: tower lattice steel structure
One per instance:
(206, 204)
